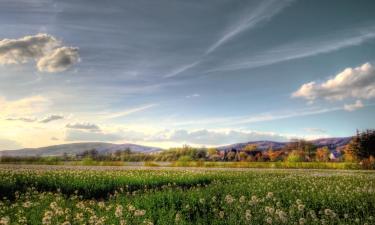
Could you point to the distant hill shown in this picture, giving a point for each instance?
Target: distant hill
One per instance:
(76, 148)
(331, 143)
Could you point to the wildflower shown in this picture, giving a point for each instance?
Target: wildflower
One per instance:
(269, 194)
(178, 217)
(302, 221)
(221, 214)
(148, 222)
(139, 212)
(131, 207)
(248, 215)
(229, 199)
(301, 207)
(26, 204)
(201, 200)
(330, 213)
(118, 211)
(5, 220)
(122, 222)
(66, 223)
(269, 220)
(242, 199)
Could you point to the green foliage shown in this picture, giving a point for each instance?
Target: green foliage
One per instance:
(296, 156)
(187, 197)
(362, 146)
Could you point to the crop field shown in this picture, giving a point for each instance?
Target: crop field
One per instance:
(50, 195)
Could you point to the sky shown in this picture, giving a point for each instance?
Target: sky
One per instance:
(166, 73)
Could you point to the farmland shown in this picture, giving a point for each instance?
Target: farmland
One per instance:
(93, 195)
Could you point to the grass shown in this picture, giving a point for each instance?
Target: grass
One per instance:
(61, 196)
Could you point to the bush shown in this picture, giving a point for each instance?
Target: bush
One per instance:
(296, 156)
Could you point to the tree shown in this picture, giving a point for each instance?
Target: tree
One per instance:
(362, 145)
(250, 148)
(322, 154)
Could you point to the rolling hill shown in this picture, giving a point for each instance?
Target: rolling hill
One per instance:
(331, 143)
(76, 148)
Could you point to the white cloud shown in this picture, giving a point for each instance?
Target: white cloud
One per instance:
(83, 126)
(356, 82)
(44, 49)
(58, 60)
(352, 107)
(51, 118)
(82, 135)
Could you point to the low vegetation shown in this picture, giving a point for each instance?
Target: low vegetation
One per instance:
(49, 196)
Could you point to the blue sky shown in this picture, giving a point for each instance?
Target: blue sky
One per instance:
(167, 73)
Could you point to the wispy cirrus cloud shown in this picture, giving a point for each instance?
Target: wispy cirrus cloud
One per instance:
(249, 119)
(128, 111)
(261, 13)
(302, 49)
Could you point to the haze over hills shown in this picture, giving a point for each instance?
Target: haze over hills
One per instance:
(331, 143)
(76, 148)
(105, 148)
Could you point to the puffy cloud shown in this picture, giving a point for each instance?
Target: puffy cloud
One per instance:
(59, 60)
(356, 82)
(44, 49)
(82, 135)
(352, 107)
(24, 106)
(83, 126)
(50, 118)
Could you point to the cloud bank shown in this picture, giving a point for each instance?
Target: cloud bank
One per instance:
(83, 126)
(45, 50)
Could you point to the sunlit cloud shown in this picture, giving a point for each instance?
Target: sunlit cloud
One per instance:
(352, 107)
(44, 49)
(358, 82)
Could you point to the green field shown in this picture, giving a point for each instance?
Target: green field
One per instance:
(84, 195)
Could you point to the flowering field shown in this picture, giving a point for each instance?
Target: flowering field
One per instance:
(166, 197)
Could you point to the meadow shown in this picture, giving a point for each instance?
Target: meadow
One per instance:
(95, 195)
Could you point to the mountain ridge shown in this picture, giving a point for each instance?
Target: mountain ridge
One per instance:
(107, 148)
